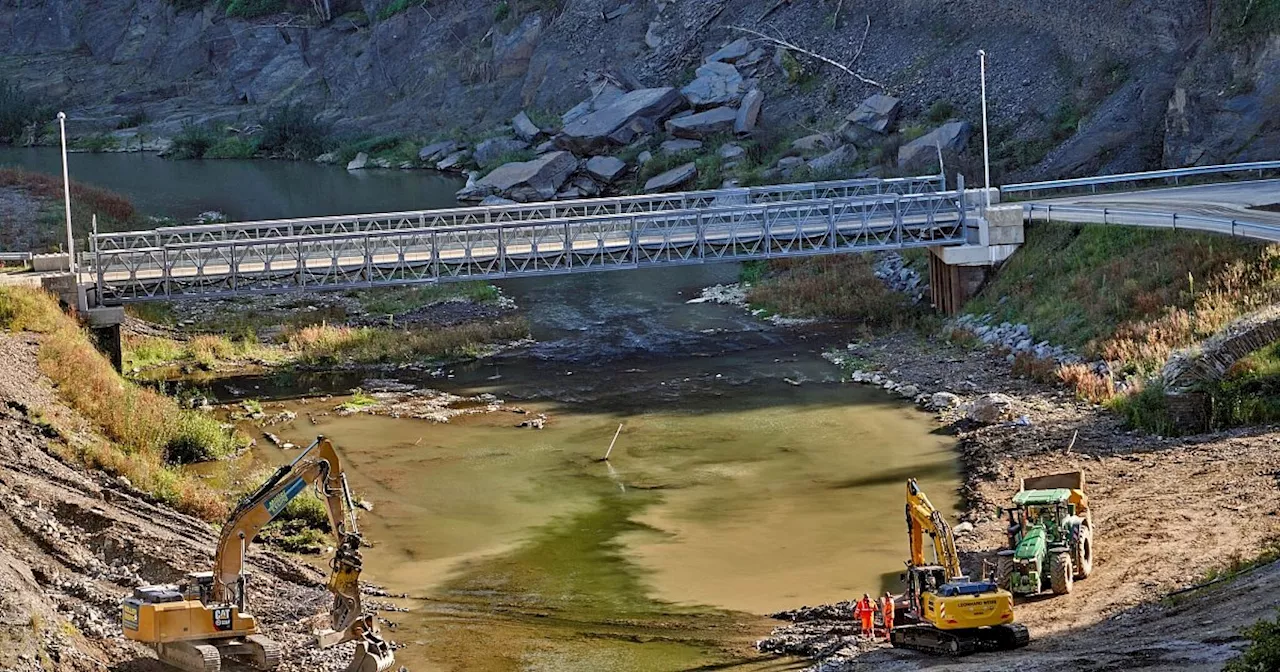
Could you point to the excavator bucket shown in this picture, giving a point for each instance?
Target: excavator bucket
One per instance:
(372, 657)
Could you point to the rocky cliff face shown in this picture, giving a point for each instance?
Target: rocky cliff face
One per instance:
(1095, 85)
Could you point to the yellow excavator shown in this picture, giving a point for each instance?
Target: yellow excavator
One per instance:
(194, 625)
(945, 612)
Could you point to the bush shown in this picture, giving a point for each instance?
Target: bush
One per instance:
(941, 110)
(18, 110)
(398, 6)
(193, 142)
(1263, 652)
(840, 287)
(293, 132)
(233, 147)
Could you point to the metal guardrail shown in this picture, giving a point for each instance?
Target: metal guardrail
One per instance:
(519, 212)
(23, 257)
(1174, 174)
(1079, 214)
(543, 247)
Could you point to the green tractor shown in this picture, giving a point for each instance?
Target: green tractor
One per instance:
(1050, 536)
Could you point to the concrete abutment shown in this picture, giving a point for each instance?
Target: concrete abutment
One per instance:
(957, 273)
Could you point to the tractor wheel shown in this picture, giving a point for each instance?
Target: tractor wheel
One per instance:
(1004, 572)
(1060, 573)
(1083, 554)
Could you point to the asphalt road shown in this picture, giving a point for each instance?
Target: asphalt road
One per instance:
(1234, 200)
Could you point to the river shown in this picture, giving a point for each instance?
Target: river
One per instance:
(747, 477)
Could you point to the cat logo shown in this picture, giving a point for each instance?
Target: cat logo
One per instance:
(130, 617)
(222, 618)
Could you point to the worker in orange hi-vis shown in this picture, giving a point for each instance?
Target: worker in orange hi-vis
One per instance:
(886, 613)
(865, 611)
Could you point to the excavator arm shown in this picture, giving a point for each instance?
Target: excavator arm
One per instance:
(318, 465)
(923, 519)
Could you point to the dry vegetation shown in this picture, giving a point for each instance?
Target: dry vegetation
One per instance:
(328, 344)
(840, 287)
(144, 435)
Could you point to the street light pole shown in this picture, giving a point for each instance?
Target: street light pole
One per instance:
(986, 146)
(66, 194)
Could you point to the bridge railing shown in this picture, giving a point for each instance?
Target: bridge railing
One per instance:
(509, 249)
(518, 212)
(1079, 214)
(1174, 175)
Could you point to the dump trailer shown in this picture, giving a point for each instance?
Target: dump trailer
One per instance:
(1050, 536)
(195, 625)
(946, 613)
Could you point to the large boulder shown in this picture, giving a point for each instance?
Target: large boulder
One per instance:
(358, 163)
(748, 112)
(703, 124)
(605, 168)
(490, 151)
(950, 137)
(624, 118)
(716, 84)
(732, 52)
(818, 142)
(679, 145)
(438, 150)
(672, 179)
(524, 181)
(524, 127)
(991, 408)
(837, 157)
(878, 113)
(605, 95)
(454, 161)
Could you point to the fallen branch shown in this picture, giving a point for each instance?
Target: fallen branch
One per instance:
(816, 56)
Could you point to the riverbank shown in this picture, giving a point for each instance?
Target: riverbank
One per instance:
(1168, 513)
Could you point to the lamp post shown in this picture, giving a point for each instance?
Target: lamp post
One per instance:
(986, 147)
(66, 194)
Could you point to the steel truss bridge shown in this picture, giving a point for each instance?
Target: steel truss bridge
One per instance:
(493, 242)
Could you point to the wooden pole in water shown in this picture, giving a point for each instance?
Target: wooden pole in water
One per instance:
(615, 440)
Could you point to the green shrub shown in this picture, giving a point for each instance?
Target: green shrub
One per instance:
(501, 11)
(18, 110)
(1239, 21)
(1263, 652)
(251, 9)
(293, 132)
(198, 438)
(233, 147)
(192, 142)
(941, 111)
(1146, 409)
(134, 119)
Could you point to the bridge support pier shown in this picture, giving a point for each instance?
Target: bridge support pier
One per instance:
(956, 274)
(104, 323)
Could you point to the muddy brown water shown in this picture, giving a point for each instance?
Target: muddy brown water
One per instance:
(731, 493)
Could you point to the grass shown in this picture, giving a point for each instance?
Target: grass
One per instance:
(1129, 295)
(47, 233)
(323, 344)
(1250, 392)
(359, 400)
(252, 9)
(397, 300)
(145, 435)
(842, 287)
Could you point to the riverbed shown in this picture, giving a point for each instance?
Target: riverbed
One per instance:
(747, 477)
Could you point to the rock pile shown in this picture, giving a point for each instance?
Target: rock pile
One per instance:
(893, 271)
(1016, 338)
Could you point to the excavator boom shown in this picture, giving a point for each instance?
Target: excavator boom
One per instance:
(219, 596)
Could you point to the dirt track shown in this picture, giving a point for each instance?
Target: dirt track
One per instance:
(1165, 512)
(72, 544)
